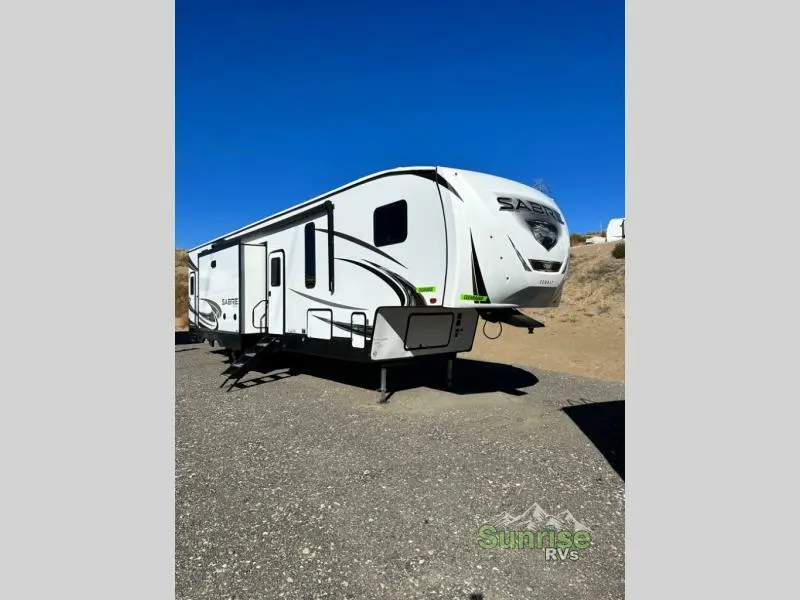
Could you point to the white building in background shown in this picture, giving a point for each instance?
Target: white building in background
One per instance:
(596, 239)
(615, 230)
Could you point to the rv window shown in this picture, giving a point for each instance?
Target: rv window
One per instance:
(213, 264)
(275, 272)
(191, 285)
(390, 223)
(311, 257)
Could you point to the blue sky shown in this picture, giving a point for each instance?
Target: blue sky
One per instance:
(277, 102)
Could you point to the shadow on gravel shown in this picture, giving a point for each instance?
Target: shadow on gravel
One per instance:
(266, 376)
(604, 424)
(185, 337)
(469, 376)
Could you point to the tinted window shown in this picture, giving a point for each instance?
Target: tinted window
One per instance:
(191, 285)
(275, 271)
(311, 257)
(213, 264)
(390, 223)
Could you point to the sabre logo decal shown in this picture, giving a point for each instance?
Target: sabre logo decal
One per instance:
(545, 233)
(517, 204)
(230, 301)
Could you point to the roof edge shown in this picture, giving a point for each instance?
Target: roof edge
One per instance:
(317, 198)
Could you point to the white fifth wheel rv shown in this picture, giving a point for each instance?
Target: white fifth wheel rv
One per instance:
(396, 265)
(615, 231)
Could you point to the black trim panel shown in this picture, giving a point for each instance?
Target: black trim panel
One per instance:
(479, 287)
(231, 341)
(329, 208)
(339, 348)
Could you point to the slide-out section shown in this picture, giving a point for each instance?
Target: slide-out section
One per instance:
(232, 289)
(218, 306)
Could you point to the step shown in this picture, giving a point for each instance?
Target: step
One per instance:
(240, 363)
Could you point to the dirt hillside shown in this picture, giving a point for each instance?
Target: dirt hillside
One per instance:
(584, 336)
(181, 291)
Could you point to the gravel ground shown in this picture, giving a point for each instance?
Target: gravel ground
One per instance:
(304, 486)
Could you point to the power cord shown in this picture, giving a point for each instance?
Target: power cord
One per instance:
(499, 333)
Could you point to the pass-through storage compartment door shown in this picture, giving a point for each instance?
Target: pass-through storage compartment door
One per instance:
(429, 331)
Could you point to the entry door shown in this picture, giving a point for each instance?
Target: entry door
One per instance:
(276, 299)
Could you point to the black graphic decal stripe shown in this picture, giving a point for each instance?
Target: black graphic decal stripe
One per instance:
(480, 286)
(519, 256)
(327, 302)
(210, 317)
(349, 327)
(214, 307)
(472, 264)
(192, 266)
(395, 288)
(436, 177)
(363, 244)
(413, 295)
(207, 320)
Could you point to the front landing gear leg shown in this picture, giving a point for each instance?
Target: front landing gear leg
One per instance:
(450, 372)
(383, 390)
